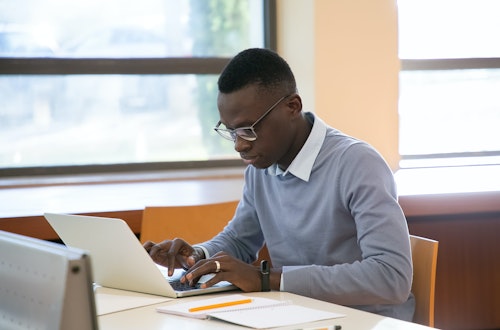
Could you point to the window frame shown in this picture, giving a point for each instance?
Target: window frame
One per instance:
(107, 66)
(449, 64)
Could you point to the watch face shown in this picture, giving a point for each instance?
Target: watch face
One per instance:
(264, 270)
(264, 266)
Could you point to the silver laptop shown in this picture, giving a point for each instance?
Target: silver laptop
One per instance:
(118, 258)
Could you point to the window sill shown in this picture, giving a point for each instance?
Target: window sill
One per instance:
(423, 192)
(449, 190)
(121, 177)
(117, 192)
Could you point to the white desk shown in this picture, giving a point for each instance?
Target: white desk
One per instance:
(148, 318)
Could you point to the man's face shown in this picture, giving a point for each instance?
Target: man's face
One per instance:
(275, 132)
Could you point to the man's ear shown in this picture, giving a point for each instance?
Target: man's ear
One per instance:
(294, 104)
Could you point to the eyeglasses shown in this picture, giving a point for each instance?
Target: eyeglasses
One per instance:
(246, 133)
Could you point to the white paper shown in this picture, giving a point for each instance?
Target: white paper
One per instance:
(183, 308)
(260, 313)
(275, 316)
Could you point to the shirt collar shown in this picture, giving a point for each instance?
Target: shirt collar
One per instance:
(302, 164)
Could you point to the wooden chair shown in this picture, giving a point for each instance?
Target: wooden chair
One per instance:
(424, 254)
(193, 223)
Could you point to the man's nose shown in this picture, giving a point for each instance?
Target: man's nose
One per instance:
(241, 145)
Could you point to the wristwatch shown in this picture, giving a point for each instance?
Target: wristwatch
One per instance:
(264, 273)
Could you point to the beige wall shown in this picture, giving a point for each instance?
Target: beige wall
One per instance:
(344, 55)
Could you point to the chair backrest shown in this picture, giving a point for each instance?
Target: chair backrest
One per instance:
(424, 254)
(193, 223)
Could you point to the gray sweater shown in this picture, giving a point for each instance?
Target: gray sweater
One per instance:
(331, 221)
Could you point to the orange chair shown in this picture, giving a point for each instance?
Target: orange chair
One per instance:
(193, 223)
(424, 254)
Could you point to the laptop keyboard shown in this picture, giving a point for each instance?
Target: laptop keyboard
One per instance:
(178, 286)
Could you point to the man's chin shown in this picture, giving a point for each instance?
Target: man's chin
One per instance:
(255, 163)
(248, 161)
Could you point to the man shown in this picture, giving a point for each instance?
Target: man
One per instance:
(324, 203)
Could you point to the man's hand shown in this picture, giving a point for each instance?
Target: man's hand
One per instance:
(172, 254)
(245, 276)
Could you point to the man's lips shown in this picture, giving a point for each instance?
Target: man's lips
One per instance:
(248, 159)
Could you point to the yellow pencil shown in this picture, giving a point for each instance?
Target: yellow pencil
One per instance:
(224, 304)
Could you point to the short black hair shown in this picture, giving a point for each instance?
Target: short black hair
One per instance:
(257, 66)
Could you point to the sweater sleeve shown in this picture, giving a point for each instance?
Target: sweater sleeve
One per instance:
(242, 237)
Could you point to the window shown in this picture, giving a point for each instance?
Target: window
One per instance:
(450, 82)
(90, 84)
